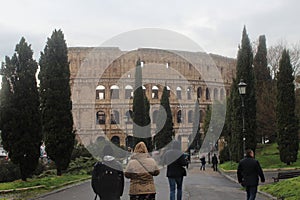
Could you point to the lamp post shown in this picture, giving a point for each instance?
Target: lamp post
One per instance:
(242, 90)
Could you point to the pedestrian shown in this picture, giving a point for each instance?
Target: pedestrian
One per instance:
(175, 161)
(140, 170)
(215, 162)
(203, 162)
(249, 171)
(187, 157)
(108, 176)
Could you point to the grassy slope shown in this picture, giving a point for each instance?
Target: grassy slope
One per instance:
(268, 157)
(289, 189)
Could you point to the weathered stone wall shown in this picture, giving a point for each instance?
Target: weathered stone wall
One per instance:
(99, 71)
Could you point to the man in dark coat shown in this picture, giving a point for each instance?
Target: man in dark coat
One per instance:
(109, 182)
(249, 171)
(214, 161)
(175, 161)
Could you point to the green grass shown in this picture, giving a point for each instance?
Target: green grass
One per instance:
(268, 157)
(289, 189)
(49, 183)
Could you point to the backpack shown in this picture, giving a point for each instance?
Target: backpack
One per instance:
(106, 181)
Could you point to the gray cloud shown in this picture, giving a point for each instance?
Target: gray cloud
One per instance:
(214, 25)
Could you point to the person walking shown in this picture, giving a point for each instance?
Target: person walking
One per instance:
(215, 162)
(108, 176)
(203, 162)
(175, 161)
(140, 170)
(248, 172)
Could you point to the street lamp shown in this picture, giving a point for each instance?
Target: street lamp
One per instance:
(242, 91)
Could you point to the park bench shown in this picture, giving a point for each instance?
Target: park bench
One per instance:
(286, 175)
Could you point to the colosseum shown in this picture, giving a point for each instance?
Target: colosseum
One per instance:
(103, 79)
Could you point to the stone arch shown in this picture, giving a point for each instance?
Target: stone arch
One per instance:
(189, 93)
(154, 92)
(190, 116)
(100, 92)
(179, 116)
(207, 94)
(128, 92)
(178, 92)
(199, 92)
(222, 94)
(100, 117)
(115, 140)
(216, 94)
(115, 117)
(114, 92)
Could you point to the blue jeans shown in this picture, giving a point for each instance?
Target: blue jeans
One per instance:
(173, 182)
(251, 192)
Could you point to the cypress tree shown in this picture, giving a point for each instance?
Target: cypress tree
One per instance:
(164, 123)
(244, 71)
(287, 122)
(140, 111)
(56, 104)
(265, 94)
(234, 126)
(195, 137)
(20, 115)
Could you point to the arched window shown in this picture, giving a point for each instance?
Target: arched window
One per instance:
(216, 93)
(114, 92)
(128, 91)
(190, 116)
(100, 117)
(115, 140)
(189, 93)
(100, 92)
(199, 92)
(178, 92)
(168, 91)
(207, 94)
(179, 117)
(154, 92)
(222, 94)
(128, 119)
(114, 117)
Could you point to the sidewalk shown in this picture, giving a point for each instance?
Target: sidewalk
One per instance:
(197, 185)
(211, 185)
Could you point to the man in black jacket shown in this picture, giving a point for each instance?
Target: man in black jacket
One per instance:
(175, 160)
(108, 176)
(249, 171)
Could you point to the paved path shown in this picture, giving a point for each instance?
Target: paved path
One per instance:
(198, 185)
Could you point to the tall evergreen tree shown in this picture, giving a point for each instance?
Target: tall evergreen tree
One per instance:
(20, 115)
(195, 137)
(265, 93)
(164, 122)
(244, 72)
(140, 111)
(56, 104)
(234, 126)
(287, 122)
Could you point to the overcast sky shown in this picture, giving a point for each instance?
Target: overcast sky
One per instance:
(214, 25)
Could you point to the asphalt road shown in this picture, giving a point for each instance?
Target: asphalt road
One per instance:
(198, 185)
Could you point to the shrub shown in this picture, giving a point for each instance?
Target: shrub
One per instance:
(9, 172)
(224, 155)
(80, 151)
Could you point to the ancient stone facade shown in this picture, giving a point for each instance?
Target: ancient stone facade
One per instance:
(103, 79)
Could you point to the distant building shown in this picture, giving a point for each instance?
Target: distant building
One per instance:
(102, 81)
